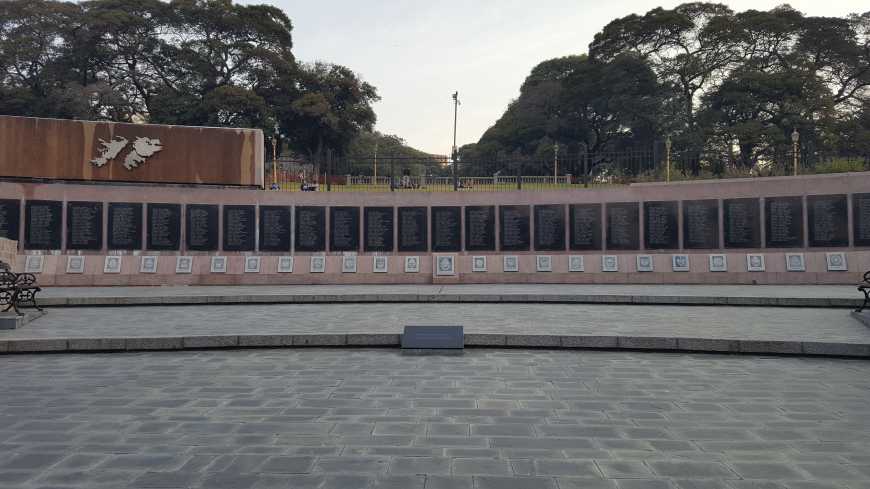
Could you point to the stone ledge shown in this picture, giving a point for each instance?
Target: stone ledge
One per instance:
(353, 340)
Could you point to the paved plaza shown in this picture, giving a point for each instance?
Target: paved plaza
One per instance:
(488, 419)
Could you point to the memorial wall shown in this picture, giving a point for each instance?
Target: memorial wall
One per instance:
(817, 225)
(55, 149)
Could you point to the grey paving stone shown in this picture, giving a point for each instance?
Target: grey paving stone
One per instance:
(507, 429)
(420, 466)
(28, 461)
(287, 465)
(773, 471)
(643, 484)
(514, 483)
(691, 470)
(624, 469)
(569, 468)
(400, 482)
(581, 483)
(448, 482)
(481, 466)
(165, 480)
(365, 465)
(230, 480)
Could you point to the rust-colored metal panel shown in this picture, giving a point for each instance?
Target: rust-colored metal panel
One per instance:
(65, 150)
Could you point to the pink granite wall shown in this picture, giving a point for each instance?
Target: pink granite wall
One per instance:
(54, 266)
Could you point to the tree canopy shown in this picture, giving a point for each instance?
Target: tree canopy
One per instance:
(192, 62)
(727, 87)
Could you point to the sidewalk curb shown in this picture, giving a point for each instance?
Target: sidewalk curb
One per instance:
(367, 340)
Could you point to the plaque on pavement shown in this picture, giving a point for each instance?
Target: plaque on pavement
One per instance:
(124, 228)
(84, 225)
(10, 219)
(413, 229)
(700, 224)
(164, 227)
(784, 222)
(344, 229)
(42, 224)
(550, 227)
(240, 225)
(742, 222)
(275, 228)
(660, 228)
(514, 221)
(378, 229)
(480, 228)
(310, 229)
(585, 228)
(446, 228)
(201, 232)
(433, 337)
(861, 219)
(623, 226)
(828, 220)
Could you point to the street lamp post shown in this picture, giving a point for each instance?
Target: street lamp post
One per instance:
(795, 137)
(555, 163)
(668, 157)
(455, 119)
(275, 157)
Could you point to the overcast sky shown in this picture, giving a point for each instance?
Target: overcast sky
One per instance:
(417, 53)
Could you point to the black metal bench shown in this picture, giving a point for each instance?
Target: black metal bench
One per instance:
(865, 288)
(17, 289)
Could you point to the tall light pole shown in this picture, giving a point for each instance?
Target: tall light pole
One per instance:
(455, 119)
(668, 157)
(275, 157)
(555, 163)
(375, 179)
(795, 137)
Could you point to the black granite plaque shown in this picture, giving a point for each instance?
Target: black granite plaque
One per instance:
(310, 228)
(433, 337)
(784, 222)
(828, 218)
(660, 231)
(585, 227)
(10, 219)
(514, 232)
(742, 223)
(344, 229)
(413, 229)
(861, 219)
(275, 228)
(701, 224)
(42, 219)
(84, 225)
(164, 227)
(240, 224)
(480, 228)
(202, 227)
(550, 227)
(378, 225)
(125, 226)
(623, 226)
(446, 228)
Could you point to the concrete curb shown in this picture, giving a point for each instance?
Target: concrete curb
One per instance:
(364, 340)
(657, 300)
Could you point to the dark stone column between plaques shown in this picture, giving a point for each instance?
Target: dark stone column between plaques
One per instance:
(827, 220)
(660, 225)
(742, 223)
(700, 224)
(84, 225)
(549, 227)
(10, 219)
(784, 222)
(275, 228)
(344, 229)
(480, 228)
(201, 230)
(623, 225)
(585, 227)
(310, 229)
(164, 227)
(446, 229)
(124, 226)
(239, 230)
(861, 219)
(43, 221)
(413, 229)
(378, 229)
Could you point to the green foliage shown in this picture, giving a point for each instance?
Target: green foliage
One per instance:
(193, 62)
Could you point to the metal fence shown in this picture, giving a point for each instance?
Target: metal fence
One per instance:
(567, 171)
